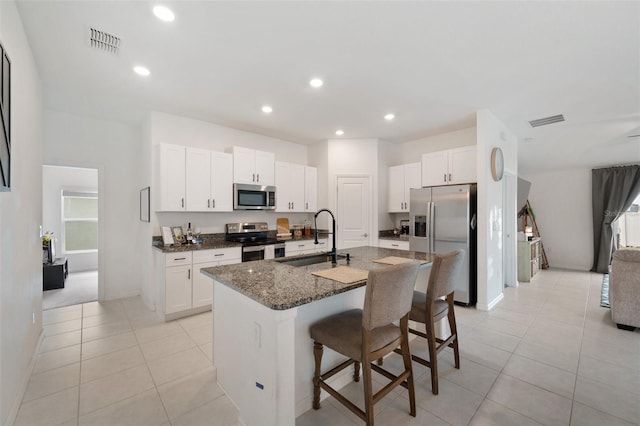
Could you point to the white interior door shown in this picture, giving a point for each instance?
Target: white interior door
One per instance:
(354, 212)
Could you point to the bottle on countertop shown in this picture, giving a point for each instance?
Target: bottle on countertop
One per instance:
(189, 234)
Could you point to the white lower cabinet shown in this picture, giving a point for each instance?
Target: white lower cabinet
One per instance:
(177, 289)
(394, 244)
(295, 248)
(182, 289)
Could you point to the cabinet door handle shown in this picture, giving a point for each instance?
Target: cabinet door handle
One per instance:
(189, 273)
(449, 177)
(293, 206)
(213, 202)
(394, 245)
(180, 258)
(182, 202)
(306, 206)
(219, 254)
(253, 179)
(258, 177)
(445, 177)
(208, 204)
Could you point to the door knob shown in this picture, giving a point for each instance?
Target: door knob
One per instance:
(365, 235)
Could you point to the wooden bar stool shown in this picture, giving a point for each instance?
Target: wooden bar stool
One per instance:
(435, 305)
(364, 335)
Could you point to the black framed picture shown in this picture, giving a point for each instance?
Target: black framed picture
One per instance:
(5, 120)
(145, 204)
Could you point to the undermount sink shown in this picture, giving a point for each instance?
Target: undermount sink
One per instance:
(309, 260)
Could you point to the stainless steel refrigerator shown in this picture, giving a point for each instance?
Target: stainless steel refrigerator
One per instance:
(442, 219)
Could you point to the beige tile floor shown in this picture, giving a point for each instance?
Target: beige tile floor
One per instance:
(547, 354)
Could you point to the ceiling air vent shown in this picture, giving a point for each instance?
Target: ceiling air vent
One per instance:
(104, 41)
(547, 120)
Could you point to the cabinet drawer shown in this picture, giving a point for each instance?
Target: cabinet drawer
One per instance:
(292, 247)
(398, 245)
(178, 259)
(216, 255)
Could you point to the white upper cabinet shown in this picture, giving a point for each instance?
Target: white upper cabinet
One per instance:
(462, 165)
(449, 167)
(221, 182)
(198, 188)
(310, 189)
(265, 168)
(172, 166)
(401, 179)
(195, 180)
(290, 187)
(253, 167)
(435, 168)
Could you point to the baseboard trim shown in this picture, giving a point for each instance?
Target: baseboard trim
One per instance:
(489, 306)
(15, 407)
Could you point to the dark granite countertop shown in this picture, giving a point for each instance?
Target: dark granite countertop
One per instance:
(279, 286)
(209, 242)
(388, 235)
(217, 241)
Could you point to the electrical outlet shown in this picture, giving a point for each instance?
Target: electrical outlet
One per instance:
(33, 317)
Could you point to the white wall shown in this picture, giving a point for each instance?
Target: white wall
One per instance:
(492, 133)
(54, 181)
(387, 156)
(176, 130)
(353, 157)
(20, 218)
(162, 128)
(561, 202)
(318, 156)
(412, 151)
(112, 148)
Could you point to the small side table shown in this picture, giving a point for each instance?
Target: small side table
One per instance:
(54, 274)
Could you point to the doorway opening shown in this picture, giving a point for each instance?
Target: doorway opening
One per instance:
(70, 219)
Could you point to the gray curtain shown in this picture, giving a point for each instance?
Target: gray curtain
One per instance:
(614, 189)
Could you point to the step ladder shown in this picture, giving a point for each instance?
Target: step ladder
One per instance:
(527, 217)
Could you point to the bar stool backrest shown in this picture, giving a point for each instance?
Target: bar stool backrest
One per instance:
(388, 294)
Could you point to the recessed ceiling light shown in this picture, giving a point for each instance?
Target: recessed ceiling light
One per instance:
(316, 82)
(267, 109)
(339, 132)
(164, 13)
(142, 71)
(389, 117)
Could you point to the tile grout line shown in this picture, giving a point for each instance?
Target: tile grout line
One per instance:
(584, 321)
(80, 369)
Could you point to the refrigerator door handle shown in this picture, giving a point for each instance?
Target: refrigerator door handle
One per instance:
(473, 222)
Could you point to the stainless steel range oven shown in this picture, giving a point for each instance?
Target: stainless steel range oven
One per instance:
(256, 243)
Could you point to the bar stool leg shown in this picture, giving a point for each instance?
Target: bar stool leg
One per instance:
(433, 356)
(356, 371)
(454, 332)
(317, 354)
(406, 357)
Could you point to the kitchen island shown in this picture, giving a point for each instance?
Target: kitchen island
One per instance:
(262, 311)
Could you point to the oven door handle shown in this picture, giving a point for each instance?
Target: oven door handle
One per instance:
(252, 249)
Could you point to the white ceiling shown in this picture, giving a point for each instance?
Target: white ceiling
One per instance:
(431, 63)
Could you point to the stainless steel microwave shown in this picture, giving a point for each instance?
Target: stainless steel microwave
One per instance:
(253, 197)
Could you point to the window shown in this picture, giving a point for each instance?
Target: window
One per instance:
(79, 221)
(628, 226)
